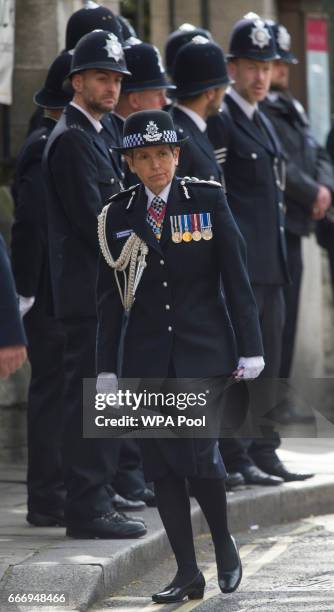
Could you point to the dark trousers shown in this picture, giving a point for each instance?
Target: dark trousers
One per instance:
(90, 464)
(238, 453)
(46, 343)
(291, 298)
(130, 475)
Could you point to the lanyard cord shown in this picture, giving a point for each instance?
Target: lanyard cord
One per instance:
(132, 257)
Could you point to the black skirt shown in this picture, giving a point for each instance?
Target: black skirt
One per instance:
(186, 450)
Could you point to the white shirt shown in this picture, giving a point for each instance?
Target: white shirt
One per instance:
(197, 119)
(95, 123)
(163, 195)
(246, 107)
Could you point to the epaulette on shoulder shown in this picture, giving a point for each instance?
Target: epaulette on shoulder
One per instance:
(197, 181)
(125, 192)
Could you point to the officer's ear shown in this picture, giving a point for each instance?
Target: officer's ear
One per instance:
(232, 68)
(176, 154)
(129, 160)
(133, 100)
(77, 82)
(210, 94)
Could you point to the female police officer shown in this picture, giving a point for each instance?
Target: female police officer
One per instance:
(194, 313)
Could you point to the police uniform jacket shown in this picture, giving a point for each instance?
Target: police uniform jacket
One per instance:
(180, 314)
(112, 134)
(80, 179)
(251, 163)
(197, 156)
(307, 163)
(29, 247)
(11, 328)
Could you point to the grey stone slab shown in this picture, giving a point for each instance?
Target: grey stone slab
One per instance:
(81, 585)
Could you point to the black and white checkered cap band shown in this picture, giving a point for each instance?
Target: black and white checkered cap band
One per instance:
(133, 140)
(137, 140)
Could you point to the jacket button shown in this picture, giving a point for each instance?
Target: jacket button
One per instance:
(254, 155)
(167, 306)
(112, 180)
(165, 284)
(282, 228)
(170, 328)
(162, 263)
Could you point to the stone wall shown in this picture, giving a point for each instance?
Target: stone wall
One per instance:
(222, 16)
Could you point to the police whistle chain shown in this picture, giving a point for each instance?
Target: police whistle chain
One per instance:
(132, 257)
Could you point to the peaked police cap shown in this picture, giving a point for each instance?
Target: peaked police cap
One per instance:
(99, 49)
(148, 128)
(52, 94)
(283, 43)
(199, 65)
(147, 72)
(178, 38)
(252, 38)
(85, 20)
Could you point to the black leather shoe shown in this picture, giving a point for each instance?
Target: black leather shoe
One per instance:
(234, 479)
(229, 581)
(121, 503)
(146, 495)
(132, 518)
(192, 590)
(253, 475)
(112, 525)
(54, 518)
(282, 472)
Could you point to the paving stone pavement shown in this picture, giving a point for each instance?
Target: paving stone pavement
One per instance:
(43, 558)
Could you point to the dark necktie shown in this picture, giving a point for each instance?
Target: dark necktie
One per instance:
(261, 127)
(155, 216)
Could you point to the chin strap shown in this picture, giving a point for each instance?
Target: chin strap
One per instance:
(132, 261)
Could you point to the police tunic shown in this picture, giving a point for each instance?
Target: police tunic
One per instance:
(254, 184)
(197, 156)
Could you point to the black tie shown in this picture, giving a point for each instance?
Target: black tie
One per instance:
(260, 125)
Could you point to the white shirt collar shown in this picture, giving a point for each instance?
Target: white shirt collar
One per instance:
(197, 119)
(95, 123)
(163, 195)
(246, 107)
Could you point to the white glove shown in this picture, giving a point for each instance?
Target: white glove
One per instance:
(249, 367)
(25, 304)
(107, 383)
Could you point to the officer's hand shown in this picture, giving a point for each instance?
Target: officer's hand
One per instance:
(11, 359)
(322, 203)
(107, 382)
(249, 368)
